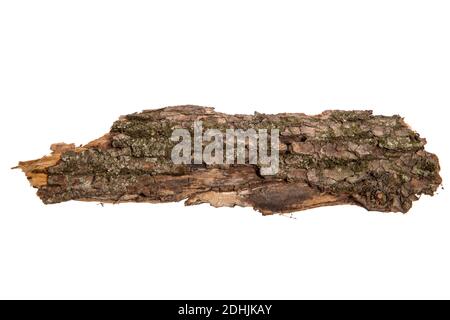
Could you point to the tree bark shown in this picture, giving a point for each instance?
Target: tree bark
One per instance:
(337, 157)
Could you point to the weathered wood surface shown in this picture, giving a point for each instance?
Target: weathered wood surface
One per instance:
(337, 157)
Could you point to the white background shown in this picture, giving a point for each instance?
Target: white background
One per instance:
(68, 69)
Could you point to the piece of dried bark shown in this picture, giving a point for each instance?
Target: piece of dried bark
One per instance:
(337, 157)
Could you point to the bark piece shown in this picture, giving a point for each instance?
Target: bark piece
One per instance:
(337, 157)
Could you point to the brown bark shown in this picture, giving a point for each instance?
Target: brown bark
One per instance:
(337, 157)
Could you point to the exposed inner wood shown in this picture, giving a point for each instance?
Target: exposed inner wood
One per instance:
(337, 157)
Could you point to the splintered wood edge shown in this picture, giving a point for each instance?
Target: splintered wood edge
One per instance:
(36, 170)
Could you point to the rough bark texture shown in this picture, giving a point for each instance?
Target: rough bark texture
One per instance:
(337, 157)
